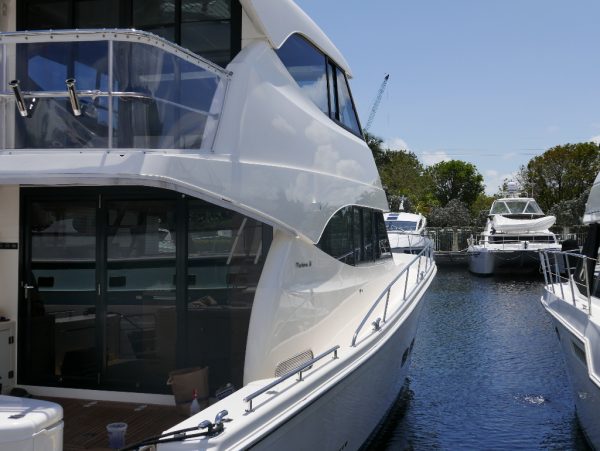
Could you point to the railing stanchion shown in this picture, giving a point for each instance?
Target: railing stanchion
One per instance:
(406, 283)
(562, 293)
(566, 260)
(387, 300)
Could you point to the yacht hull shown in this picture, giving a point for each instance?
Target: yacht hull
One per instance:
(484, 261)
(575, 332)
(348, 413)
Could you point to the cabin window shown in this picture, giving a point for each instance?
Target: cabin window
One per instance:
(356, 235)
(307, 66)
(345, 105)
(321, 80)
(211, 29)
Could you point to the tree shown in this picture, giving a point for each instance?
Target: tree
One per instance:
(454, 214)
(376, 145)
(402, 176)
(570, 212)
(480, 209)
(455, 179)
(561, 173)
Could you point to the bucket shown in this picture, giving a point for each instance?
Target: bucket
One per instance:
(116, 435)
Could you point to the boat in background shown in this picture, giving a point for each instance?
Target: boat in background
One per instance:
(140, 237)
(515, 232)
(406, 232)
(572, 298)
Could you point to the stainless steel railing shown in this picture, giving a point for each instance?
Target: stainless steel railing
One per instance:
(561, 269)
(289, 374)
(427, 252)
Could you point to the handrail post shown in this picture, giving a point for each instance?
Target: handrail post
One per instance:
(549, 269)
(566, 260)
(587, 285)
(562, 293)
(543, 263)
(406, 283)
(387, 300)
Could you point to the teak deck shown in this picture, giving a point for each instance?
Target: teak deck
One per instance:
(85, 421)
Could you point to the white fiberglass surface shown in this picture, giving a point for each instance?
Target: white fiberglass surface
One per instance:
(131, 94)
(515, 206)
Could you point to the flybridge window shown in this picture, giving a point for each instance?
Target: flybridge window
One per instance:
(150, 96)
(356, 235)
(516, 206)
(321, 80)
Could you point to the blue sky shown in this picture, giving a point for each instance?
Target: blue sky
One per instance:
(492, 82)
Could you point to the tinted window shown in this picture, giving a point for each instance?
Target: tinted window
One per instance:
(337, 237)
(345, 105)
(306, 64)
(355, 235)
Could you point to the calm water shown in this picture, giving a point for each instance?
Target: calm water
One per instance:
(487, 372)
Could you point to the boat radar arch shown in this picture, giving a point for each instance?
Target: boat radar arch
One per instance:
(592, 206)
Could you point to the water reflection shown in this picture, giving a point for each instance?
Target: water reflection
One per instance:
(487, 372)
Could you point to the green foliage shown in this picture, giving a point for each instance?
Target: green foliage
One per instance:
(454, 214)
(561, 173)
(455, 179)
(480, 209)
(402, 175)
(570, 212)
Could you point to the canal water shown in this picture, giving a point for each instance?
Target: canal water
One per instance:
(486, 373)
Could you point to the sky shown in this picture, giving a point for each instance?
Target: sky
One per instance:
(491, 82)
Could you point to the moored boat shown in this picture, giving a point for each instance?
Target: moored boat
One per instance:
(406, 232)
(142, 237)
(572, 299)
(515, 232)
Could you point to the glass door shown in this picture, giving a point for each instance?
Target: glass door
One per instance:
(140, 299)
(59, 295)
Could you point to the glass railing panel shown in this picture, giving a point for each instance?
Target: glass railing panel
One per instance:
(136, 92)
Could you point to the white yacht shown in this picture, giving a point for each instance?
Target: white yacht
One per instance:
(515, 232)
(572, 298)
(162, 213)
(406, 232)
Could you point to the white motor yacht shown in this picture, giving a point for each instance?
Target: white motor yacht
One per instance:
(515, 232)
(406, 232)
(572, 298)
(161, 214)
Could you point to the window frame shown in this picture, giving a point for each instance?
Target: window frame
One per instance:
(331, 71)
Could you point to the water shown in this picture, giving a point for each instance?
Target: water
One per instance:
(487, 371)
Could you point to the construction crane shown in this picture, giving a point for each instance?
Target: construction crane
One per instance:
(377, 102)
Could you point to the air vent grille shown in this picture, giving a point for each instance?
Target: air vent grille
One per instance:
(293, 362)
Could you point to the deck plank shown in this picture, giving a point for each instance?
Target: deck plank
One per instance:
(86, 420)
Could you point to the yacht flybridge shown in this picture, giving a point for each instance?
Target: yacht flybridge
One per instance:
(515, 232)
(162, 213)
(572, 298)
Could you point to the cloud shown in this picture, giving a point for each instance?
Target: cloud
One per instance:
(493, 180)
(430, 158)
(595, 139)
(396, 144)
(509, 156)
(552, 129)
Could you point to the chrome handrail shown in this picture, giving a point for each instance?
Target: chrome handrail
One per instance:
(428, 253)
(554, 276)
(289, 374)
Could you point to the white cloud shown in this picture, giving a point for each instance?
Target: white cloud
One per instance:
(509, 156)
(396, 144)
(595, 139)
(430, 158)
(552, 129)
(493, 180)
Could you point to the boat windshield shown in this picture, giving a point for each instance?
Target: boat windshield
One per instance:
(401, 226)
(515, 206)
(99, 89)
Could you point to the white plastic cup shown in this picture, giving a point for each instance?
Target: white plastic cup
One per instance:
(116, 435)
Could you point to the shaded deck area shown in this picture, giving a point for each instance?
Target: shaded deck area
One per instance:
(86, 420)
